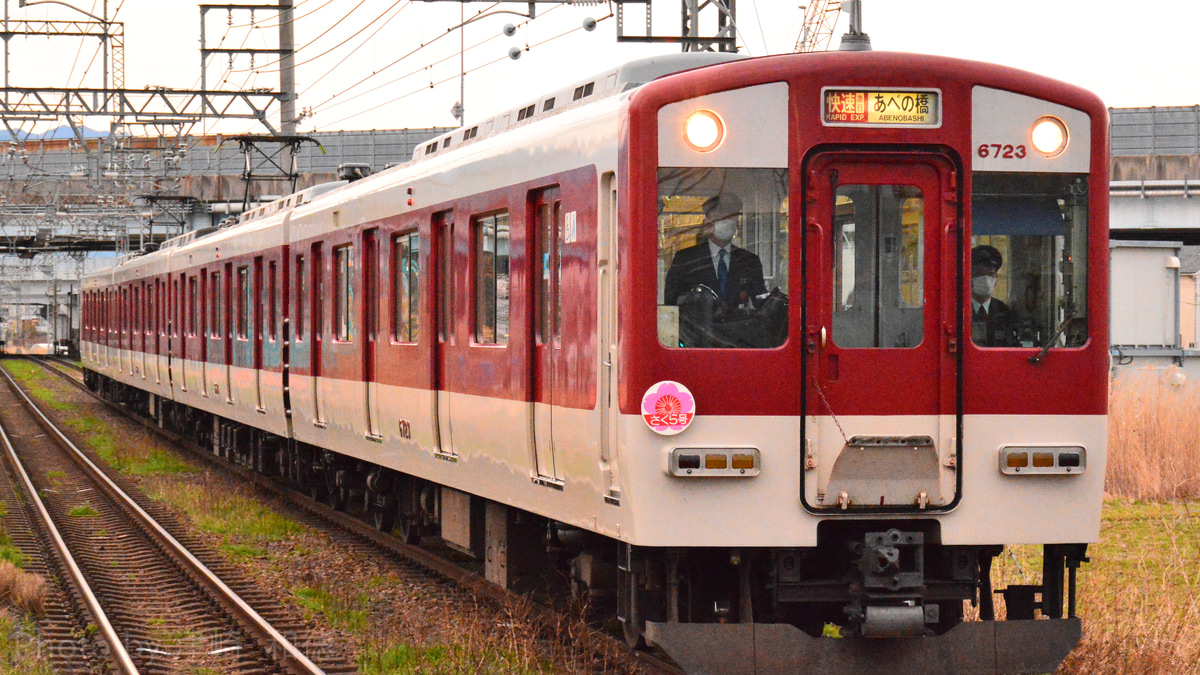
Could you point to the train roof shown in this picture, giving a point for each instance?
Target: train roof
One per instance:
(601, 85)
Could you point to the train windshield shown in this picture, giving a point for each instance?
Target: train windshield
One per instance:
(878, 266)
(1029, 260)
(722, 257)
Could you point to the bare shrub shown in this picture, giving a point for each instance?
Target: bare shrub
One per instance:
(1154, 436)
(25, 591)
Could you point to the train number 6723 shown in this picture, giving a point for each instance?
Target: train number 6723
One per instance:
(1000, 151)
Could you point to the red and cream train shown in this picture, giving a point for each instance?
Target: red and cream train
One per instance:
(477, 344)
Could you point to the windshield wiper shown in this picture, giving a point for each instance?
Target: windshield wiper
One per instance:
(1037, 358)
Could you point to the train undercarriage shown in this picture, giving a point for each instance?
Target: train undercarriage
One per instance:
(889, 587)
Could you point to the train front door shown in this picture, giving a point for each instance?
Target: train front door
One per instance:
(547, 348)
(882, 268)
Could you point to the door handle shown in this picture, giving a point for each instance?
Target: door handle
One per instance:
(822, 337)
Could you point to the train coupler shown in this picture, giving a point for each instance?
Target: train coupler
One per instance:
(886, 601)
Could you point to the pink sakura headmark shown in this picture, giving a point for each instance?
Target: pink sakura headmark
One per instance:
(668, 408)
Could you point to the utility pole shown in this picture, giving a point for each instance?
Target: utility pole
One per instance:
(287, 80)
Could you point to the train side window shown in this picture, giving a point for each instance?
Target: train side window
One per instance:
(300, 306)
(443, 227)
(243, 302)
(316, 325)
(491, 279)
(1032, 229)
(878, 267)
(147, 309)
(343, 293)
(722, 257)
(193, 301)
(212, 294)
(406, 287)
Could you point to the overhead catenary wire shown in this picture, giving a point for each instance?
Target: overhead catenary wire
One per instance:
(761, 32)
(335, 25)
(456, 75)
(296, 6)
(333, 101)
(354, 51)
(79, 51)
(97, 53)
(402, 77)
(390, 65)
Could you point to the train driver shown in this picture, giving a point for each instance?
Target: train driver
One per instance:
(993, 323)
(733, 272)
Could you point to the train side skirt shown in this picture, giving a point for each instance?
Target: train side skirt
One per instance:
(972, 648)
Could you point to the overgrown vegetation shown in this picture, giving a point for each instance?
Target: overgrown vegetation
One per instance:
(8, 550)
(20, 653)
(35, 380)
(1152, 436)
(1140, 596)
(138, 459)
(128, 458)
(22, 590)
(238, 516)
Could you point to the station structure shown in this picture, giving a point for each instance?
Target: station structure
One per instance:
(1154, 216)
(67, 208)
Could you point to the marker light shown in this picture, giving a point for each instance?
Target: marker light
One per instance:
(1033, 460)
(1049, 136)
(714, 462)
(704, 130)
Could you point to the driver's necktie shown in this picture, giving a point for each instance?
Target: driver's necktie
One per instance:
(722, 271)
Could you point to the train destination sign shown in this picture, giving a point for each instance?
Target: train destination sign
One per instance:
(881, 108)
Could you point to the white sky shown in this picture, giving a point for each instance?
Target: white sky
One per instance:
(1130, 54)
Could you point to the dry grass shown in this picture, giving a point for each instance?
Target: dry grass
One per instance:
(20, 589)
(1154, 436)
(1140, 596)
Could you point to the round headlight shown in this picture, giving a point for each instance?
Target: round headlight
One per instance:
(1049, 136)
(704, 130)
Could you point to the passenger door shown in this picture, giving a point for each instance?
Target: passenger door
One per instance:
(316, 325)
(882, 259)
(371, 299)
(547, 329)
(441, 258)
(257, 328)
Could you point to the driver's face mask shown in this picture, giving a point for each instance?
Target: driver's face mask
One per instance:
(983, 285)
(725, 229)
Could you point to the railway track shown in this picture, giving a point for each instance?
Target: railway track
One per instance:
(355, 534)
(65, 364)
(141, 596)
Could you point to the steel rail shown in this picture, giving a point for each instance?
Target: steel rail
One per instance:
(293, 657)
(386, 542)
(117, 652)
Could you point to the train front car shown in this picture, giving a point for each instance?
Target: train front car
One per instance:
(863, 347)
